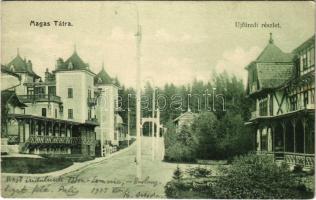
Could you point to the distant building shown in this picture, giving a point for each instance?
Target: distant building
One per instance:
(63, 110)
(185, 119)
(282, 87)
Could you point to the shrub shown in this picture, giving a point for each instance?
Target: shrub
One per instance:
(199, 172)
(190, 184)
(249, 177)
(33, 165)
(254, 176)
(180, 146)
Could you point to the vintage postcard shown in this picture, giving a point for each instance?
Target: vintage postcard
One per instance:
(149, 99)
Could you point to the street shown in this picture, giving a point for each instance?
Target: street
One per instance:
(112, 178)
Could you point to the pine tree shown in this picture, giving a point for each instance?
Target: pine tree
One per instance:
(177, 174)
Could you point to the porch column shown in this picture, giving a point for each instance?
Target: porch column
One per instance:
(24, 130)
(269, 139)
(45, 128)
(36, 128)
(19, 132)
(268, 105)
(293, 122)
(258, 139)
(304, 134)
(273, 137)
(70, 130)
(53, 131)
(59, 129)
(257, 107)
(284, 132)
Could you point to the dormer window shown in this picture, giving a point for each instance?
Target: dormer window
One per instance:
(12, 68)
(70, 65)
(99, 80)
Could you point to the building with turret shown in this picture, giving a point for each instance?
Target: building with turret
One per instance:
(282, 88)
(65, 112)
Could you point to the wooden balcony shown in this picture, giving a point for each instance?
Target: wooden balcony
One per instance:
(39, 98)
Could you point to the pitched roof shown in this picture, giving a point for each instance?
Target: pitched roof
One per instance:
(8, 96)
(272, 53)
(103, 78)
(308, 42)
(272, 75)
(74, 62)
(274, 67)
(5, 70)
(19, 65)
(186, 114)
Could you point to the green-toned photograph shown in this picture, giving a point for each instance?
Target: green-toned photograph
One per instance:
(158, 99)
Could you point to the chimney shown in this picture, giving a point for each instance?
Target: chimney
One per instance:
(29, 65)
(46, 75)
(59, 62)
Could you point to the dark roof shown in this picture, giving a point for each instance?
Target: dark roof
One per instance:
(272, 53)
(103, 78)
(272, 75)
(307, 43)
(5, 70)
(19, 65)
(8, 96)
(74, 62)
(273, 66)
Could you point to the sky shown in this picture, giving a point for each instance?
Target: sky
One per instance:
(180, 40)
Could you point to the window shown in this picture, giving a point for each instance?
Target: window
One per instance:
(70, 93)
(89, 114)
(30, 91)
(271, 105)
(263, 107)
(55, 113)
(40, 92)
(89, 94)
(52, 90)
(304, 61)
(312, 56)
(44, 112)
(305, 98)
(293, 102)
(70, 114)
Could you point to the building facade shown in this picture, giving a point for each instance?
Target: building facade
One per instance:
(62, 111)
(282, 88)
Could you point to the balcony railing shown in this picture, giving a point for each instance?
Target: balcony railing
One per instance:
(92, 120)
(92, 101)
(306, 160)
(39, 98)
(39, 139)
(13, 139)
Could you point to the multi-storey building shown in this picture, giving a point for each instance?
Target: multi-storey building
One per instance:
(106, 107)
(282, 87)
(61, 111)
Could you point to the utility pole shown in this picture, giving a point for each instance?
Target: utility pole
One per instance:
(158, 134)
(128, 126)
(138, 103)
(153, 127)
(101, 122)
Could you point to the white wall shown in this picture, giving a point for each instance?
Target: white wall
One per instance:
(36, 109)
(80, 81)
(105, 112)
